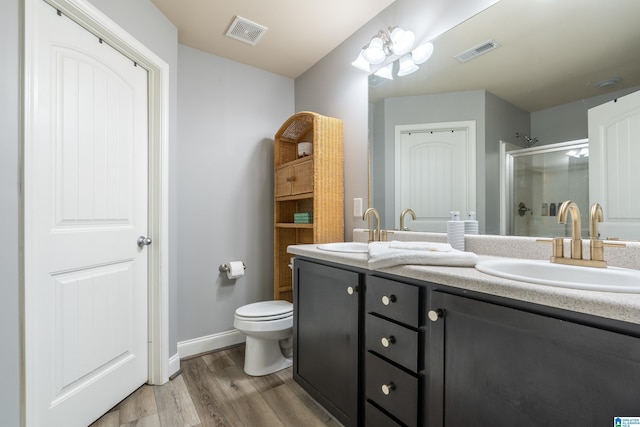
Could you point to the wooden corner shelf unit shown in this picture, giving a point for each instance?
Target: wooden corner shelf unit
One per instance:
(311, 184)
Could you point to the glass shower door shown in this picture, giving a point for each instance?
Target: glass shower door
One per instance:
(539, 179)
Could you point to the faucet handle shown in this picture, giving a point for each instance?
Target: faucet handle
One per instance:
(558, 246)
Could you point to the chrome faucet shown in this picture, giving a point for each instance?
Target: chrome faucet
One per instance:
(373, 235)
(576, 239)
(404, 212)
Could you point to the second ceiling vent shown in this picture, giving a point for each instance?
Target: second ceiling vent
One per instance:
(476, 51)
(246, 31)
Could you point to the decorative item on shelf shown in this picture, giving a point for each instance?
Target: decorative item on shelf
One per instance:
(303, 218)
(305, 149)
(393, 42)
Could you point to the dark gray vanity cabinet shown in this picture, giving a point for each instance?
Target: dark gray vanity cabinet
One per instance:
(381, 350)
(326, 328)
(394, 358)
(491, 365)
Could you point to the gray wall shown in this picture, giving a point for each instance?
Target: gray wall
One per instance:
(9, 214)
(502, 121)
(568, 122)
(229, 113)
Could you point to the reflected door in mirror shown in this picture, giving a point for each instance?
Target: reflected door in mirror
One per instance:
(435, 172)
(613, 165)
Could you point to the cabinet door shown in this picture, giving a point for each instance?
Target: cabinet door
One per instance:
(302, 178)
(282, 179)
(326, 322)
(497, 366)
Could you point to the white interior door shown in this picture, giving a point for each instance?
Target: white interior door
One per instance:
(86, 320)
(614, 175)
(435, 173)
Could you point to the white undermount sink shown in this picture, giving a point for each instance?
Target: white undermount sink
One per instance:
(350, 247)
(610, 279)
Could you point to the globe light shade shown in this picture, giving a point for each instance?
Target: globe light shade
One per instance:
(422, 53)
(374, 54)
(407, 66)
(401, 41)
(361, 63)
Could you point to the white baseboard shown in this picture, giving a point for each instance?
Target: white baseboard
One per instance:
(209, 343)
(174, 364)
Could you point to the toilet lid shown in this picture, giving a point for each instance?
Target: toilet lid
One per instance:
(265, 309)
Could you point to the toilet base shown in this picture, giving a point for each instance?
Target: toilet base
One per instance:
(264, 357)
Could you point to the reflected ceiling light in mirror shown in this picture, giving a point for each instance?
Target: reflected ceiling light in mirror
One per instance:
(407, 66)
(385, 72)
(422, 53)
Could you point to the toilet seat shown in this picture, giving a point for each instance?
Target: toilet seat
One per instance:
(265, 311)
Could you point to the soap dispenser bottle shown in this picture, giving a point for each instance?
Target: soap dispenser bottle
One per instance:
(455, 231)
(471, 224)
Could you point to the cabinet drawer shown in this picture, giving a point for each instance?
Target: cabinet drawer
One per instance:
(401, 343)
(402, 400)
(395, 300)
(374, 417)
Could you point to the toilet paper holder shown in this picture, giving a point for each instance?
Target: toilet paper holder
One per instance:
(224, 268)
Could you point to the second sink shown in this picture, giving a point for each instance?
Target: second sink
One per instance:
(609, 279)
(352, 247)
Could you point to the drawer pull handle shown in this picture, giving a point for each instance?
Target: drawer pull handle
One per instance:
(386, 300)
(434, 315)
(352, 289)
(386, 342)
(386, 388)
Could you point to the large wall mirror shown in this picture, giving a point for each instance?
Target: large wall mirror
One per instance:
(555, 60)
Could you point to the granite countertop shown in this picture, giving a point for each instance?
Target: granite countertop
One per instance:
(612, 305)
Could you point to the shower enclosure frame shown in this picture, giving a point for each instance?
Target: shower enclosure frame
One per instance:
(508, 205)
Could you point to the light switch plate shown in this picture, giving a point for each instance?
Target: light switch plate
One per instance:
(357, 206)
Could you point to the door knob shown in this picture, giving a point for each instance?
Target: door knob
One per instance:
(352, 289)
(144, 241)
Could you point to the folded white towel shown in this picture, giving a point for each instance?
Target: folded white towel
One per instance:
(421, 246)
(382, 255)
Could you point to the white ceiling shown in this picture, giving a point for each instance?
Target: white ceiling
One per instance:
(552, 51)
(299, 33)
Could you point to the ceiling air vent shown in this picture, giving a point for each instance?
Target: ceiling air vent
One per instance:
(476, 51)
(246, 31)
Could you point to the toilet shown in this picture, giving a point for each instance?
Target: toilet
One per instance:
(268, 326)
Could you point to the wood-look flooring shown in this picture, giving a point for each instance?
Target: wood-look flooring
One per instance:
(213, 390)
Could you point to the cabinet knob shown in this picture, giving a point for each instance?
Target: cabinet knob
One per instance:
(434, 315)
(387, 341)
(386, 388)
(386, 300)
(352, 289)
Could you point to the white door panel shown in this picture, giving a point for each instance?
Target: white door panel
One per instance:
(87, 345)
(614, 176)
(435, 173)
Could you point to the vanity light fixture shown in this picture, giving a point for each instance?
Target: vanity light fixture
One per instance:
(394, 41)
